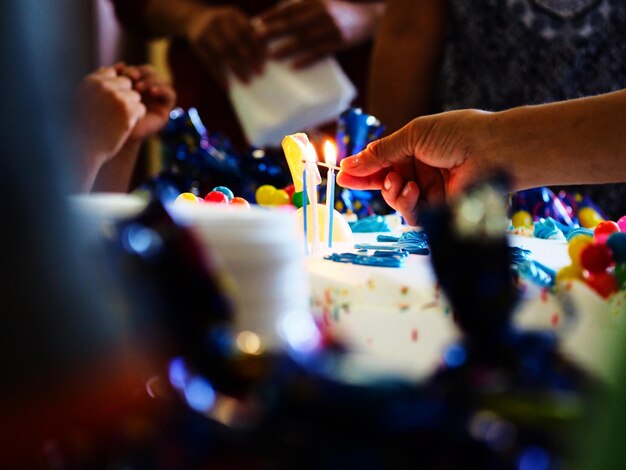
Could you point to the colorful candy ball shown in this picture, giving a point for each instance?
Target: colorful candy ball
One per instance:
(296, 199)
(264, 195)
(603, 283)
(573, 271)
(621, 223)
(186, 198)
(290, 189)
(596, 257)
(589, 217)
(522, 219)
(604, 229)
(239, 202)
(216, 197)
(617, 243)
(576, 245)
(223, 189)
(280, 198)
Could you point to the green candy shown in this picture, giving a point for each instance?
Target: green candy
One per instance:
(296, 199)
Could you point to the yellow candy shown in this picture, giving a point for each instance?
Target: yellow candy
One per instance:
(280, 198)
(265, 195)
(572, 271)
(576, 245)
(589, 217)
(522, 219)
(186, 198)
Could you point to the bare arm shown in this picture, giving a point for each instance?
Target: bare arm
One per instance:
(581, 141)
(405, 59)
(578, 141)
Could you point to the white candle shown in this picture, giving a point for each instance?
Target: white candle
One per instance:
(330, 158)
(314, 179)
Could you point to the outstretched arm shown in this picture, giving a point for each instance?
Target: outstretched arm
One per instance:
(578, 141)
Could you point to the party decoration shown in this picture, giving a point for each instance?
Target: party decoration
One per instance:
(239, 202)
(604, 229)
(522, 219)
(355, 130)
(617, 243)
(596, 257)
(589, 217)
(187, 198)
(216, 197)
(541, 203)
(199, 162)
(226, 191)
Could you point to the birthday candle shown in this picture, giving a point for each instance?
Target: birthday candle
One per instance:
(330, 158)
(315, 179)
(304, 214)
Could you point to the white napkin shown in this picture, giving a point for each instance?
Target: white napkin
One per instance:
(283, 101)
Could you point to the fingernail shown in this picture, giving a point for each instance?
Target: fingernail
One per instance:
(351, 162)
(387, 183)
(406, 190)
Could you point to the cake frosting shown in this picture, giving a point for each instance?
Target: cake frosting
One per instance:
(399, 317)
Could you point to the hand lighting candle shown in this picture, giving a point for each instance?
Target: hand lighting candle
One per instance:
(330, 158)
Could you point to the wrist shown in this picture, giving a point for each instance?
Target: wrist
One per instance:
(509, 144)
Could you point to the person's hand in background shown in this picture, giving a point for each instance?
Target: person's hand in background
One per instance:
(107, 110)
(309, 30)
(157, 95)
(224, 38)
(118, 108)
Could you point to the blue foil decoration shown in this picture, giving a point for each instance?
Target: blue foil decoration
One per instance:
(542, 203)
(196, 161)
(355, 130)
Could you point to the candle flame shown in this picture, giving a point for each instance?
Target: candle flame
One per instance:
(330, 152)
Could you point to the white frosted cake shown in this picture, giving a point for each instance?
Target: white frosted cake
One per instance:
(397, 318)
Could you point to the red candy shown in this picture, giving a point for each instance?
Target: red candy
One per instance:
(604, 230)
(604, 283)
(290, 189)
(216, 197)
(596, 257)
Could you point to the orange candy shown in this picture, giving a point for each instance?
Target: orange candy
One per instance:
(239, 202)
